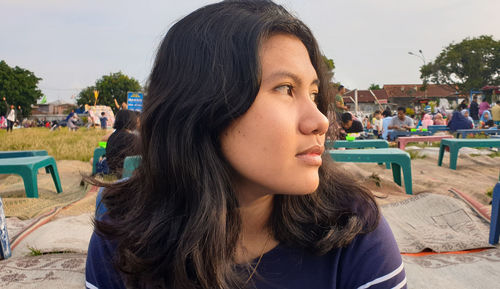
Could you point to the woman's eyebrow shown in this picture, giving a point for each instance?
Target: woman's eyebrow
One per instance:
(287, 74)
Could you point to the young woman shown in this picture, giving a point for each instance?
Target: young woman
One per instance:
(234, 189)
(123, 141)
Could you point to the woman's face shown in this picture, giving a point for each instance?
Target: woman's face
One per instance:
(276, 146)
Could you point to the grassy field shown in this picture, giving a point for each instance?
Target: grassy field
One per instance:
(61, 144)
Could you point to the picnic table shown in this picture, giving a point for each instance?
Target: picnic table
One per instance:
(399, 160)
(402, 141)
(27, 168)
(465, 132)
(435, 128)
(399, 133)
(455, 144)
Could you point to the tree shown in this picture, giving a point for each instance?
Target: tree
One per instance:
(330, 66)
(115, 85)
(374, 86)
(19, 86)
(470, 64)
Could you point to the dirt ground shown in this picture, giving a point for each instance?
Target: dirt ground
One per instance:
(476, 173)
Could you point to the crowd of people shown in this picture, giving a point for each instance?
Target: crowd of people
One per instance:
(380, 124)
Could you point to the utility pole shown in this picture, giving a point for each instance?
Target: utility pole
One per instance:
(421, 56)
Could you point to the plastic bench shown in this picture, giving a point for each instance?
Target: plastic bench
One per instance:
(399, 133)
(21, 154)
(27, 168)
(129, 165)
(98, 153)
(435, 128)
(495, 215)
(455, 144)
(402, 141)
(464, 132)
(397, 158)
(360, 144)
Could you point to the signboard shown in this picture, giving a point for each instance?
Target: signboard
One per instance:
(134, 101)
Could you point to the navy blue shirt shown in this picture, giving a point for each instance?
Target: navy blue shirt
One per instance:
(370, 261)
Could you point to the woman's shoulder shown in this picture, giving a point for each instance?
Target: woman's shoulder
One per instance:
(99, 270)
(371, 259)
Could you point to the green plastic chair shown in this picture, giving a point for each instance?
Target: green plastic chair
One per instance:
(455, 144)
(129, 165)
(27, 168)
(399, 160)
(98, 153)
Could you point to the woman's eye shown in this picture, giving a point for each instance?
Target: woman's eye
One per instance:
(314, 96)
(286, 89)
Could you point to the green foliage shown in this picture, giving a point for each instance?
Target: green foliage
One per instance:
(115, 85)
(19, 87)
(62, 144)
(470, 64)
(376, 178)
(34, 251)
(330, 66)
(416, 155)
(374, 86)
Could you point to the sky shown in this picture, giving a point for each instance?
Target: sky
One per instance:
(72, 43)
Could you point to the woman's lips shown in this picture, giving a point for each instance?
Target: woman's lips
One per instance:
(312, 159)
(312, 155)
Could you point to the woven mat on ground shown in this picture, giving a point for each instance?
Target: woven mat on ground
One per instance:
(17, 205)
(437, 222)
(64, 271)
(458, 271)
(64, 234)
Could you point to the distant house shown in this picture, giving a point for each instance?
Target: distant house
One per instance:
(395, 95)
(412, 94)
(368, 100)
(51, 111)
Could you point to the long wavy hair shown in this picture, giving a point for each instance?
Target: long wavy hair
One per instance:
(175, 222)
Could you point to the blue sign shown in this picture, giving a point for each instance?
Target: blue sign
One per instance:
(134, 101)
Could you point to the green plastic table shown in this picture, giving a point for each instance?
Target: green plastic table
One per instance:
(27, 168)
(455, 144)
(129, 165)
(399, 160)
(98, 153)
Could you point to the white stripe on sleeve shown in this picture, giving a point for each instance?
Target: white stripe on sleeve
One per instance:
(90, 285)
(383, 278)
(400, 285)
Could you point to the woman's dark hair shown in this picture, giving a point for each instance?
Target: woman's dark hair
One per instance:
(125, 119)
(175, 222)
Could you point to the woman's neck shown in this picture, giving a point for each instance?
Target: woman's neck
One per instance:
(256, 237)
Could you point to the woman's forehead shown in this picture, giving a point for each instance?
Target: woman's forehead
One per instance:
(286, 53)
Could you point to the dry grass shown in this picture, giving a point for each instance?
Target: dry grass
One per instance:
(61, 144)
